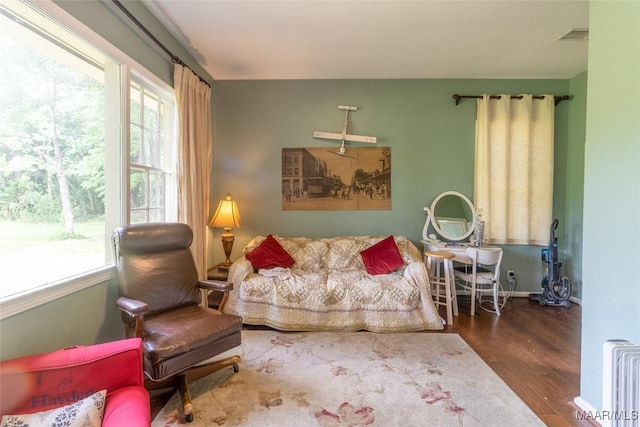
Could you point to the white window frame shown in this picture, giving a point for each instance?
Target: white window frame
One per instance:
(117, 150)
(168, 167)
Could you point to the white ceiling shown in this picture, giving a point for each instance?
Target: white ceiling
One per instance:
(392, 39)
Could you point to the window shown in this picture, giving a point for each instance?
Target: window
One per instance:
(64, 183)
(151, 178)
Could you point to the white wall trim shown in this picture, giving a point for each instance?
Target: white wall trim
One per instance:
(526, 294)
(523, 294)
(12, 305)
(584, 405)
(590, 414)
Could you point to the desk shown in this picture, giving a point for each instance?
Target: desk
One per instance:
(459, 250)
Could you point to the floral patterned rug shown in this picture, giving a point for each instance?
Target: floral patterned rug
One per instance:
(353, 379)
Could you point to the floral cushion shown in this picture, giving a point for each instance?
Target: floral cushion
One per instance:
(86, 412)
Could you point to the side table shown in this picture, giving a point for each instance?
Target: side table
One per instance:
(214, 274)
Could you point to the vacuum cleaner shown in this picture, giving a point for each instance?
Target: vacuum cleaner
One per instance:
(556, 289)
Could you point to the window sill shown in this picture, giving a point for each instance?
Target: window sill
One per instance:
(15, 304)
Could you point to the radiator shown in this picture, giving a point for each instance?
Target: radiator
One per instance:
(621, 384)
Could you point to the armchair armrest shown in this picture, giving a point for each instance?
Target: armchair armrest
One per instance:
(131, 306)
(215, 285)
(135, 309)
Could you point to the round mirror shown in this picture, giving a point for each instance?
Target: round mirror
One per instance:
(452, 216)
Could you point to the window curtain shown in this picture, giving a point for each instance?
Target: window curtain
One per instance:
(513, 185)
(193, 99)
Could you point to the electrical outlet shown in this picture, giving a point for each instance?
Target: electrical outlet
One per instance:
(511, 273)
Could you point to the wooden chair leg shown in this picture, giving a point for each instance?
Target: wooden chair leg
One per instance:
(185, 397)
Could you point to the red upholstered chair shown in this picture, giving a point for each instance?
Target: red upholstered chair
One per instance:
(52, 380)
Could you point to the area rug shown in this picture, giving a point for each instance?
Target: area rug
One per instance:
(353, 379)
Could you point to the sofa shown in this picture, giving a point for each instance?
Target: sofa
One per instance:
(334, 284)
(100, 384)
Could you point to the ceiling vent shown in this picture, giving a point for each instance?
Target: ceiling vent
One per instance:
(576, 34)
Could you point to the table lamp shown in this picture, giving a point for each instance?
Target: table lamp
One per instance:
(227, 217)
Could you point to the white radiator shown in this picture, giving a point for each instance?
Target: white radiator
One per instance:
(621, 384)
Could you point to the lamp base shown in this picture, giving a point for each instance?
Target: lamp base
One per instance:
(227, 246)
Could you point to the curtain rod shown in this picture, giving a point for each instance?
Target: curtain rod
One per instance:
(174, 58)
(556, 99)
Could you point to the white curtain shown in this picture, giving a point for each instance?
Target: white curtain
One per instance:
(514, 168)
(193, 99)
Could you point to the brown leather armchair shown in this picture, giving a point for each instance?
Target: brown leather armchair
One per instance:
(161, 303)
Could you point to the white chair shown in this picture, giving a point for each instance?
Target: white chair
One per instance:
(482, 275)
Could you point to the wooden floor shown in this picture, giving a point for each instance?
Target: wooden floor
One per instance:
(534, 349)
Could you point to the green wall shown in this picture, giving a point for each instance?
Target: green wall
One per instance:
(569, 194)
(431, 140)
(82, 318)
(611, 249)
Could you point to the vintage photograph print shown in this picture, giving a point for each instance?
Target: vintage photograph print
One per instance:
(358, 178)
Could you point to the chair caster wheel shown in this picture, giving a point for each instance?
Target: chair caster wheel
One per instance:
(236, 368)
(189, 418)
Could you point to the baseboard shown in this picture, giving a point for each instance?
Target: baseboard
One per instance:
(575, 300)
(526, 295)
(523, 294)
(585, 411)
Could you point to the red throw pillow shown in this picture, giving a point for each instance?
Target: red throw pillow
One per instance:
(383, 257)
(269, 254)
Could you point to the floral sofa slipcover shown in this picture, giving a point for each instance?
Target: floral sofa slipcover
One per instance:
(329, 289)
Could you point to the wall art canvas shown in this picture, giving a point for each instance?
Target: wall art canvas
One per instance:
(324, 179)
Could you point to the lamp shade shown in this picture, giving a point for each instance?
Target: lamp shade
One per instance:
(227, 214)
